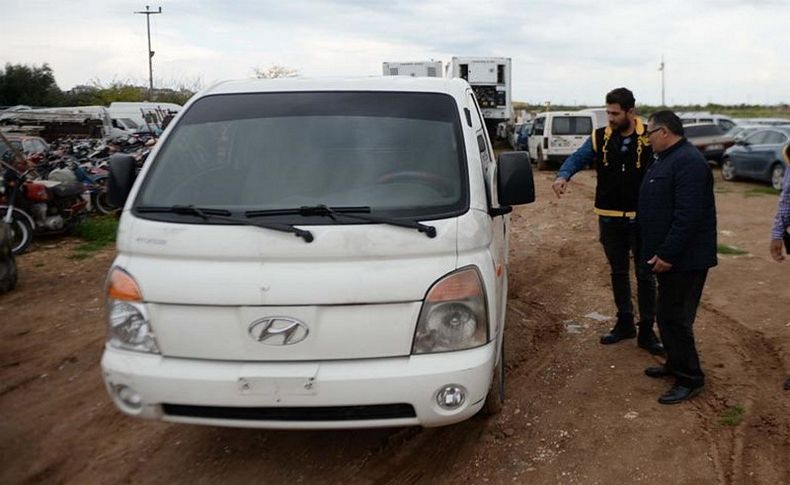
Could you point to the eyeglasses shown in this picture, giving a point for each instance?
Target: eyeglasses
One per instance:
(650, 132)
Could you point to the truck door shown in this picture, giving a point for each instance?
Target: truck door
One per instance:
(500, 225)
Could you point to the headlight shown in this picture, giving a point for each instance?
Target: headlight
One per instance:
(127, 318)
(129, 327)
(454, 315)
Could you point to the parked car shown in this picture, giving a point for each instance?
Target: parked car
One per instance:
(758, 156)
(767, 121)
(522, 141)
(353, 278)
(740, 131)
(555, 135)
(709, 139)
(724, 122)
(513, 136)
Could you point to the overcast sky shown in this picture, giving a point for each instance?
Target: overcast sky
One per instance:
(563, 51)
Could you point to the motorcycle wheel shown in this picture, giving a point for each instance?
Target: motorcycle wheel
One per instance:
(21, 234)
(100, 200)
(102, 203)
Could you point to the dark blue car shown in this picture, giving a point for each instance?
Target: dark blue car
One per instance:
(758, 156)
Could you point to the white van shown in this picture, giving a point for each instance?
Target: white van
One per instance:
(353, 278)
(555, 135)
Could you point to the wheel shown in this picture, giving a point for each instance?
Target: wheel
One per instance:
(542, 163)
(8, 270)
(777, 176)
(727, 169)
(103, 204)
(100, 200)
(495, 399)
(21, 234)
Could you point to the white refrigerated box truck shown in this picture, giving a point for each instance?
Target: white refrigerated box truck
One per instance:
(413, 69)
(491, 83)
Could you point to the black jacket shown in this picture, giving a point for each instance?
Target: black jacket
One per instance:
(677, 210)
(619, 173)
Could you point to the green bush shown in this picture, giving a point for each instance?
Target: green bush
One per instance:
(98, 233)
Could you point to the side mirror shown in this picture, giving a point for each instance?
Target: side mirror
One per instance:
(123, 172)
(515, 185)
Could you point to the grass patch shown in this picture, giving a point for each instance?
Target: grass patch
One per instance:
(733, 415)
(97, 233)
(757, 191)
(727, 249)
(721, 190)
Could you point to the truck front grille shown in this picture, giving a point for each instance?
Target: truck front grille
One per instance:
(323, 413)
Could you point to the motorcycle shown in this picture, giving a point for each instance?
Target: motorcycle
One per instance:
(39, 206)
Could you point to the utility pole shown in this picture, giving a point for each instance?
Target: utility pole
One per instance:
(148, 14)
(661, 68)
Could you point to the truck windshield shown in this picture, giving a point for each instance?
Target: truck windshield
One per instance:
(401, 154)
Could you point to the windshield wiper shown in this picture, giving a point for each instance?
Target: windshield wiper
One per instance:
(225, 215)
(360, 213)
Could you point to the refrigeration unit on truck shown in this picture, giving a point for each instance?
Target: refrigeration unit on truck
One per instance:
(490, 81)
(413, 69)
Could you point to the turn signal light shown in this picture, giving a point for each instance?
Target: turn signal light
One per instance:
(121, 286)
(462, 285)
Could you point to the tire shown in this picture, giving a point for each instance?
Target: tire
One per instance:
(8, 269)
(495, 399)
(100, 200)
(777, 176)
(21, 234)
(542, 163)
(728, 170)
(102, 203)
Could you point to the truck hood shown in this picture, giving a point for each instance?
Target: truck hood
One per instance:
(220, 265)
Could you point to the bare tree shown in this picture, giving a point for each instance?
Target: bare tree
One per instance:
(275, 71)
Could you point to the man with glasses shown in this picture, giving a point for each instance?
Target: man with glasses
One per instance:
(621, 154)
(677, 218)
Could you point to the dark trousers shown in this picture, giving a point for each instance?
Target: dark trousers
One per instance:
(678, 297)
(620, 239)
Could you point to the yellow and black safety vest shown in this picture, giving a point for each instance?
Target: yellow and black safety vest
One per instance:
(620, 172)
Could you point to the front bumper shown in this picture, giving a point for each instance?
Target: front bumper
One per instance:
(168, 385)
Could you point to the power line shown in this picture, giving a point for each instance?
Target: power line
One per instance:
(148, 14)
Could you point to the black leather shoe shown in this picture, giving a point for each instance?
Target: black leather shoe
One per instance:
(647, 340)
(678, 394)
(617, 335)
(657, 372)
(655, 348)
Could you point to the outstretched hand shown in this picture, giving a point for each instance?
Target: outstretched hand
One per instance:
(559, 186)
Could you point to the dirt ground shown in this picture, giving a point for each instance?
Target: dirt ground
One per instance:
(576, 411)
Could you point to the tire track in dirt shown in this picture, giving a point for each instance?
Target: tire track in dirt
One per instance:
(533, 330)
(739, 447)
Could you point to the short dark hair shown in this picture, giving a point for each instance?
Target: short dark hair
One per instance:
(621, 96)
(668, 120)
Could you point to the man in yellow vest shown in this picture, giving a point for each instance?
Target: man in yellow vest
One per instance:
(620, 153)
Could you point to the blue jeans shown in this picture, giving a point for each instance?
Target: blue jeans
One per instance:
(620, 239)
